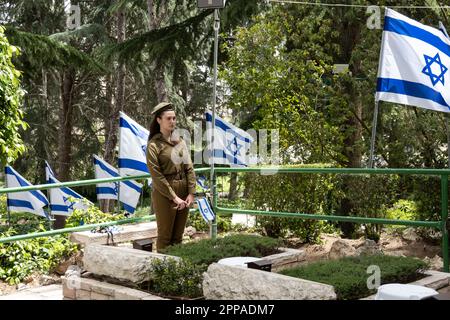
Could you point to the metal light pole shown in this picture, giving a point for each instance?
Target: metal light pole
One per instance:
(216, 5)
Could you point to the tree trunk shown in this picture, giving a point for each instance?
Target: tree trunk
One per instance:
(155, 19)
(65, 132)
(233, 194)
(115, 106)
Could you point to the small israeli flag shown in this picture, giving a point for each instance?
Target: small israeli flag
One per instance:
(129, 192)
(414, 64)
(63, 200)
(201, 181)
(205, 209)
(27, 201)
(132, 147)
(230, 142)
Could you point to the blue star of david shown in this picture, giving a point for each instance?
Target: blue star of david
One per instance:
(70, 205)
(236, 145)
(427, 69)
(144, 148)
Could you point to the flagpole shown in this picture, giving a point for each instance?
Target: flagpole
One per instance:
(118, 165)
(374, 134)
(448, 139)
(142, 193)
(213, 226)
(7, 207)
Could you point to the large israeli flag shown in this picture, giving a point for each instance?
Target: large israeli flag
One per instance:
(27, 201)
(414, 64)
(64, 200)
(132, 147)
(129, 192)
(230, 142)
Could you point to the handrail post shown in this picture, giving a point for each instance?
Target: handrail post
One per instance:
(444, 217)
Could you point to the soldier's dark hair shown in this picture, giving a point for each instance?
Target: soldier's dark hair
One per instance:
(154, 125)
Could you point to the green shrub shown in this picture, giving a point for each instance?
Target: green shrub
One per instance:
(20, 259)
(172, 278)
(402, 210)
(304, 193)
(349, 275)
(207, 251)
(23, 223)
(370, 196)
(196, 220)
(91, 216)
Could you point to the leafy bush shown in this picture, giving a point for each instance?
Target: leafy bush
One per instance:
(349, 275)
(207, 251)
(172, 278)
(370, 196)
(19, 259)
(305, 193)
(196, 220)
(91, 216)
(402, 210)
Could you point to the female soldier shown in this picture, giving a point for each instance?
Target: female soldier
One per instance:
(173, 176)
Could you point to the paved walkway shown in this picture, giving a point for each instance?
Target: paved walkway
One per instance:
(51, 292)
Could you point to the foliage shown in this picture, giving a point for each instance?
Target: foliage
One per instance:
(304, 193)
(92, 215)
(20, 259)
(207, 251)
(175, 278)
(196, 220)
(403, 210)
(11, 95)
(21, 222)
(349, 275)
(370, 197)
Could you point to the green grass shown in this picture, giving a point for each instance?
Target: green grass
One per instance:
(349, 275)
(207, 251)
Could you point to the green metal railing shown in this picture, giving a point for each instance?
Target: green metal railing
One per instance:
(440, 225)
(83, 227)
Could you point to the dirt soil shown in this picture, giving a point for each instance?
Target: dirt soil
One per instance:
(389, 244)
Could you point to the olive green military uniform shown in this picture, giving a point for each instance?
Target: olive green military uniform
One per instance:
(173, 175)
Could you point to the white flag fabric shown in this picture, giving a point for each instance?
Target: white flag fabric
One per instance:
(205, 209)
(104, 170)
(230, 142)
(26, 201)
(132, 147)
(64, 200)
(443, 29)
(201, 181)
(414, 64)
(129, 192)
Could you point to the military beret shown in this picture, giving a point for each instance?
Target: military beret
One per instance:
(161, 106)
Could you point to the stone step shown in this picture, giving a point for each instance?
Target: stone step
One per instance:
(51, 292)
(125, 233)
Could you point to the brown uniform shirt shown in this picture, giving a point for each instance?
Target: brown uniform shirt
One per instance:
(167, 160)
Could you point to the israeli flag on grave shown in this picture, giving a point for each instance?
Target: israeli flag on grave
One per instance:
(231, 143)
(414, 64)
(205, 209)
(63, 200)
(27, 201)
(132, 147)
(129, 192)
